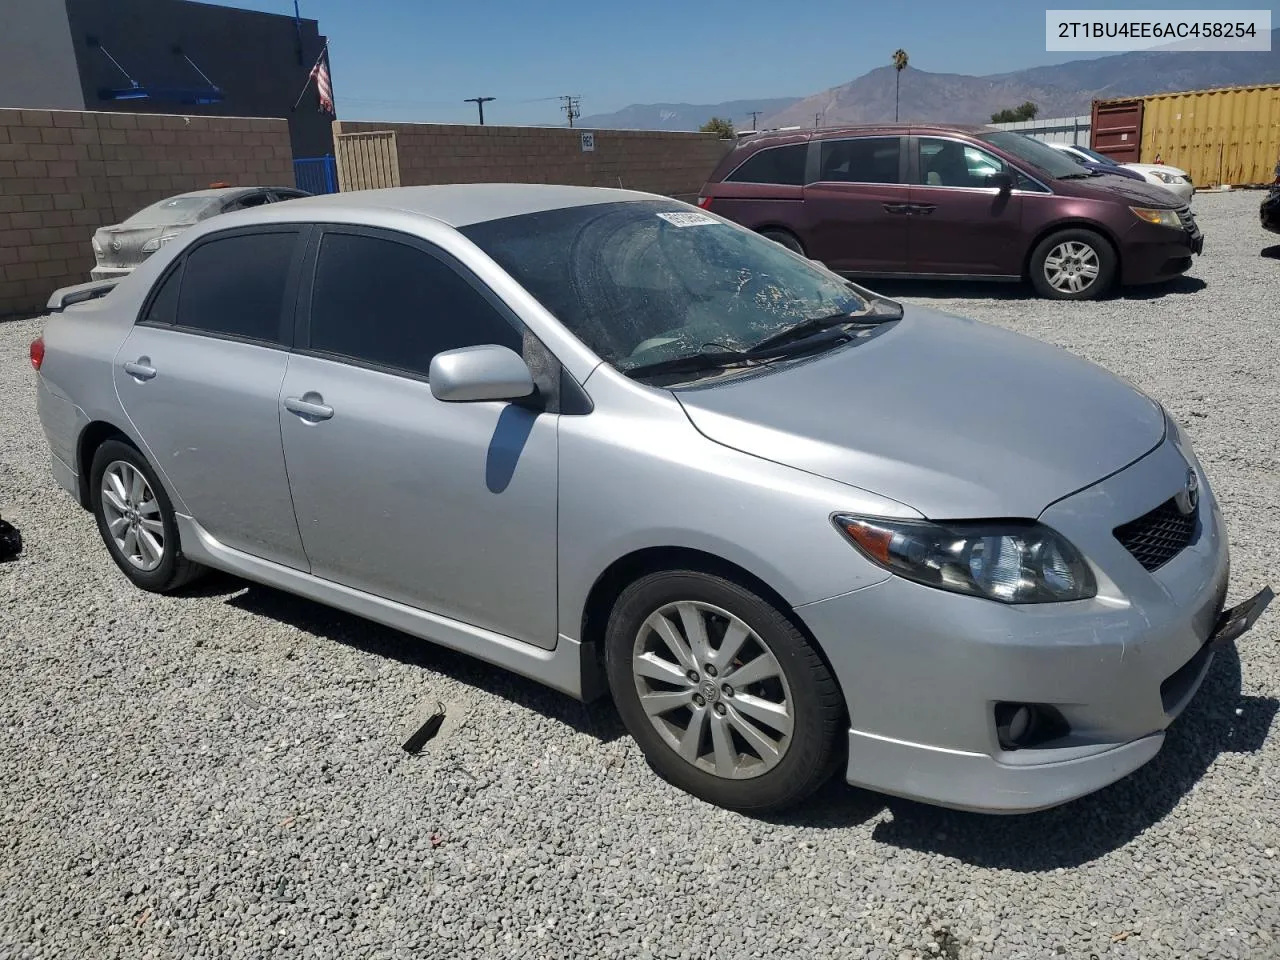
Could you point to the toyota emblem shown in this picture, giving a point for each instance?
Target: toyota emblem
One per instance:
(1189, 499)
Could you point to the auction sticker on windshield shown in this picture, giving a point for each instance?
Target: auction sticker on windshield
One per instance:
(689, 219)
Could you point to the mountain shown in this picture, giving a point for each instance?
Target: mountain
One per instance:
(684, 116)
(1060, 90)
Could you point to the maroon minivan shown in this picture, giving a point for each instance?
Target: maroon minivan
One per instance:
(943, 201)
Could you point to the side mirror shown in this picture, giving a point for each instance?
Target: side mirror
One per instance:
(471, 374)
(1002, 181)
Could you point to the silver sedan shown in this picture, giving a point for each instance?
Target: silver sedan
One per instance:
(618, 444)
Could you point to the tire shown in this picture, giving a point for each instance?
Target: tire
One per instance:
(726, 769)
(1075, 252)
(146, 511)
(786, 239)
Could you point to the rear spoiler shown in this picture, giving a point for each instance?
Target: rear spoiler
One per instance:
(79, 293)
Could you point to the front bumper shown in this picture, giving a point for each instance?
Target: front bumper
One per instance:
(922, 669)
(1152, 254)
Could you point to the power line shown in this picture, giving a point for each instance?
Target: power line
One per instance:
(479, 102)
(571, 108)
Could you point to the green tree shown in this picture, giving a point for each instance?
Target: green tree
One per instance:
(899, 59)
(1026, 111)
(720, 126)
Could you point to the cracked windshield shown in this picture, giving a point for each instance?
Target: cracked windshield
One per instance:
(644, 282)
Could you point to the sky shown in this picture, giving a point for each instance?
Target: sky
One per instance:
(417, 60)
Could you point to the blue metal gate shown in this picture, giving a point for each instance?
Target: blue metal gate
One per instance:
(316, 174)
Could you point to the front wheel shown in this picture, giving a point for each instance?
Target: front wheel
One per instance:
(724, 695)
(1073, 265)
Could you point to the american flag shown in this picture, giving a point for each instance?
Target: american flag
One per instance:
(320, 74)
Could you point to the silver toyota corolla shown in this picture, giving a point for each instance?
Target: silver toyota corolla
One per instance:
(615, 443)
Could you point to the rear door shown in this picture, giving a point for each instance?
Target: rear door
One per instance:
(856, 205)
(765, 190)
(959, 223)
(199, 377)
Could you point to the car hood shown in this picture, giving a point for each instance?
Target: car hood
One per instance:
(1143, 192)
(953, 417)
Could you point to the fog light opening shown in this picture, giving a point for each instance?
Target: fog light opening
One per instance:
(1022, 725)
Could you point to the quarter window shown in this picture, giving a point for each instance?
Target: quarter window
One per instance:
(393, 305)
(164, 303)
(234, 286)
(863, 160)
(777, 165)
(950, 163)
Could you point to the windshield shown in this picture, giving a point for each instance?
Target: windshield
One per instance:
(646, 281)
(173, 210)
(1053, 162)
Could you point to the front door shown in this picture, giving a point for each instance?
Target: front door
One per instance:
(199, 377)
(959, 224)
(447, 507)
(856, 209)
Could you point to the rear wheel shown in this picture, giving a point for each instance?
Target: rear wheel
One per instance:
(137, 520)
(1073, 265)
(725, 696)
(784, 237)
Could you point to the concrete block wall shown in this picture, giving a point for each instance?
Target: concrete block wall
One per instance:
(673, 164)
(64, 173)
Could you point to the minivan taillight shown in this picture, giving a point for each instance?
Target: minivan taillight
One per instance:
(704, 203)
(37, 352)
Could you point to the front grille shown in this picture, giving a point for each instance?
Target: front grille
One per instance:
(1157, 537)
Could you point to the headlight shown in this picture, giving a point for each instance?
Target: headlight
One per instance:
(1166, 177)
(154, 244)
(1161, 218)
(1007, 561)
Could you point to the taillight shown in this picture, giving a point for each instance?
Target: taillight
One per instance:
(37, 352)
(704, 203)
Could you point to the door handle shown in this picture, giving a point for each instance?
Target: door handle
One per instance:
(140, 369)
(897, 207)
(309, 407)
(923, 208)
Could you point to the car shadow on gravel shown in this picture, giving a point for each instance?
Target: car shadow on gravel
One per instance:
(988, 290)
(1272, 253)
(599, 719)
(1219, 720)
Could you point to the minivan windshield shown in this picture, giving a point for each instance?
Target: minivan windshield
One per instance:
(1053, 162)
(647, 281)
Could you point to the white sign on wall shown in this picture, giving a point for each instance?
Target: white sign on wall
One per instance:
(588, 142)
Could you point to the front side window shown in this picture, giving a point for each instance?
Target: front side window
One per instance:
(777, 165)
(390, 304)
(950, 163)
(234, 286)
(645, 281)
(863, 160)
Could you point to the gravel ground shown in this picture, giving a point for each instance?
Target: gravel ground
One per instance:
(219, 774)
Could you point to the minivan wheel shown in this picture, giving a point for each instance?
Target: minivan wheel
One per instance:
(1073, 265)
(725, 696)
(136, 519)
(786, 238)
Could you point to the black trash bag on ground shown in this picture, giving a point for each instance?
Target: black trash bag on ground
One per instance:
(10, 541)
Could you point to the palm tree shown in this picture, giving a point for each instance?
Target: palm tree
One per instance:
(899, 64)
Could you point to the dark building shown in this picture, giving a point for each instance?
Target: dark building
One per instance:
(163, 56)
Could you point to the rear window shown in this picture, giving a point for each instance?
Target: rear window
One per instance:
(780, 165)
(234, 286)
(185, 209)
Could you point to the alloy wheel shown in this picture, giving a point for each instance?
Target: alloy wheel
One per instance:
(713, 690)
(132, 515)
(1071, 267)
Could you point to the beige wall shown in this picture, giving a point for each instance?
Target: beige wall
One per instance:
(674, 164)
(65, 173)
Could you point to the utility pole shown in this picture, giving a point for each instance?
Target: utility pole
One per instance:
(816, 118)
(754, 114)
(571, 108)
(479, 102)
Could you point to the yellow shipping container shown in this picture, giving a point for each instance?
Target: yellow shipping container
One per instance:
(1228, 136)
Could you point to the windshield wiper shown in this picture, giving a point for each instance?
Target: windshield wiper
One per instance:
(879, 311)
(699, 361)
(1080, 176)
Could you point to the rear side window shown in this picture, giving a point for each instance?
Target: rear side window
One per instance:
(393, 305)
(164, 302)
(234, 286)
(864, 160)
(780, 165)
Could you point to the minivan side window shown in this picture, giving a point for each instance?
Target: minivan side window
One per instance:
(862, 160)
(389, 304)
(950, 163)
(776, 165)
(234, 286)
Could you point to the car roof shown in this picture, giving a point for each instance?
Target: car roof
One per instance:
(458, 204)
